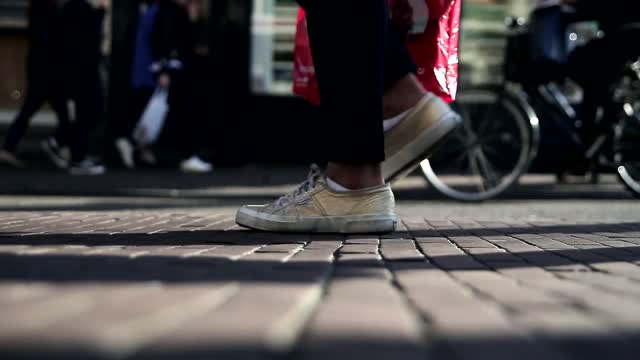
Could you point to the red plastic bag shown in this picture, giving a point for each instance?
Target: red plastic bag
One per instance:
(435, 51)
(305, 82)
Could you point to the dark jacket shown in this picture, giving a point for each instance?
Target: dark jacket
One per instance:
(141, 74)
(80, 32)
(42, 34)
(173, 37)
(42, 16)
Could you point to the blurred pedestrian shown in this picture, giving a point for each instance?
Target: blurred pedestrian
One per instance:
(143, 85)
(43, 82)
(365, 74)
(81, 31)
(173, 44)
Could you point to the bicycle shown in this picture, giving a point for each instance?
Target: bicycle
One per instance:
(503, 125)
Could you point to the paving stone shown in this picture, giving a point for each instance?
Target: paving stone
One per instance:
(192, 284)
(342, 325)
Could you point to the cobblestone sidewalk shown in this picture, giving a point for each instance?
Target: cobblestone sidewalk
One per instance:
(155, 285)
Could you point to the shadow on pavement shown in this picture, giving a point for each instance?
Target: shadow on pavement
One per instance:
(262, 183)
(618, 345)
(94, 262)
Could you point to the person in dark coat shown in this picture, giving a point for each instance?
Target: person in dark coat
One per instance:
(173, 42)
(43, 82)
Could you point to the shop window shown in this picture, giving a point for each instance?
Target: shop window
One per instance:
(272, 41)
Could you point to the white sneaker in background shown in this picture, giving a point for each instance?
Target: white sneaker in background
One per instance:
(125, 150)
(86, 168)
(60, 156)
(195, 165)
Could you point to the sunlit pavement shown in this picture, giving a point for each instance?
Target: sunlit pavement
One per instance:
(154, 267)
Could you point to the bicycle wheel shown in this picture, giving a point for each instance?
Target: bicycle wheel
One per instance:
(491, 149)
(627, 146)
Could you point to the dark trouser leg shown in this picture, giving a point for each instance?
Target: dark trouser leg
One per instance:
(63, 133)
(88, 102)
(397, 61)
(357, 56)
(36, 97)
(348, 46)
(182, 119)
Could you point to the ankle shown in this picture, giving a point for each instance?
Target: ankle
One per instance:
(355, 177)
(402, 96)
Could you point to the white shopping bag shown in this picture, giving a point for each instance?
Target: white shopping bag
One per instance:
(150, 125)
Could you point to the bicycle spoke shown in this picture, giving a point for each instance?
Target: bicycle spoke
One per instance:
(474, 166)
(487, 120)
(449, 151)
(460, 158)
(487, 169)
(512, 143)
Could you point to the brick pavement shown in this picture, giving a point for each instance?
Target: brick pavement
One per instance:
(158, 284)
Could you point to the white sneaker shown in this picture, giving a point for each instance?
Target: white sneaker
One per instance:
(125, 150)
(315, 208)
(59, 156)
(195, 165)
(86, 168)
(412, 140)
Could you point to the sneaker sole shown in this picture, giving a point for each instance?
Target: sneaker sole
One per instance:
(355, 224)
(407, 160)
(85, 172)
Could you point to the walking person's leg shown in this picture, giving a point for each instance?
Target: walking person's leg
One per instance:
(122, 129)
(61, 108)
(18, 128)
(416, 121)
(87, 97)
(185, 122)
(34, 100)
(352, 196)
(362, 77)
(57, 147)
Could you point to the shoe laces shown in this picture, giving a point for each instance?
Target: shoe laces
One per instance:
(315, 173)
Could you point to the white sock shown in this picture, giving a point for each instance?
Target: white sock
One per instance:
(392, 122)
(335, 186)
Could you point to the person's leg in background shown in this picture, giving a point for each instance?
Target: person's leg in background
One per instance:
(123, 129)
(184, 122)
(57, 147)
(86, 94)
(36, 97)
